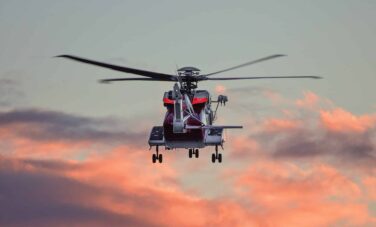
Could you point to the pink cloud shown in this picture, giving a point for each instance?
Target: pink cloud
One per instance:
(284, 193)
(339, 120)
(220, 89)
(274, 124)
(370, 185)
(310, 100)
(294, 196)
(275, 97)
(243, 146)
(105, 182)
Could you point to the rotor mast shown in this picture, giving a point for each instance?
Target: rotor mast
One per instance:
(187, 77)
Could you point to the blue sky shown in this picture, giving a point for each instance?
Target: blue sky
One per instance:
(327, 38)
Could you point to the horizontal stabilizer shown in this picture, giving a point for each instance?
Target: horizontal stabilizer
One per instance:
(223, 126)
(214, 127)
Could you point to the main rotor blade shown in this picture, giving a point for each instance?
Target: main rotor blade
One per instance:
(247, 63)
(140, 72)
(263, 77)
(132, 79)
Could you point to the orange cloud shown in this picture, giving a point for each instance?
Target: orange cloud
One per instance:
(128, 192)
(370, 185)
(275, 97)
(310, 100)
(122, 184)
(87, 180)
(339, 120)
(242, 146)
(275, 124)
(220, 89)
(294, 196)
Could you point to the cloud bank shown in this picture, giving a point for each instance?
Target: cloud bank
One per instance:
(312, 164)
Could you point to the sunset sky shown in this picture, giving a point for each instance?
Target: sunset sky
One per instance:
(74, 152)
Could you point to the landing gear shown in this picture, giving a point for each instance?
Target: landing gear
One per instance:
(216, 156)
(192, 152)
(157, 156)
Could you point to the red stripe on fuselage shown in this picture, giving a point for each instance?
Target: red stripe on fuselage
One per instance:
(194, 101)
(168, 101)
(199, 100)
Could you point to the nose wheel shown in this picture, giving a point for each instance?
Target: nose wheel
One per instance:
(194, 152)
(157, 157)
(216, 156)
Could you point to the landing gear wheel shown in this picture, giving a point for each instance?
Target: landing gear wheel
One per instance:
(160, 158)
(190, 153)
(219, 158)
(154, 158)
(197, 153)
(213, 158)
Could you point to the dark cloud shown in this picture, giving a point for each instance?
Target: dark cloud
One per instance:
(357, 148)
(51, 165)
(298, 145)
(39, 198)
(45, 125)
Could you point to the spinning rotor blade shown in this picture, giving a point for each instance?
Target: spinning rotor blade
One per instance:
(263, 77)
(132, 79)
(154, 75)
(246, 64)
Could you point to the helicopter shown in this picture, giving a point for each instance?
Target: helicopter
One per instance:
(188, 122)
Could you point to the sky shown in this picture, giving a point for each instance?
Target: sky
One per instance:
(74, 151)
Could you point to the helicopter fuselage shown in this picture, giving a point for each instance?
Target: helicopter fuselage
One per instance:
(189, 137)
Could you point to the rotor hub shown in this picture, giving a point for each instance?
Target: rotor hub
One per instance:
(188, 71)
